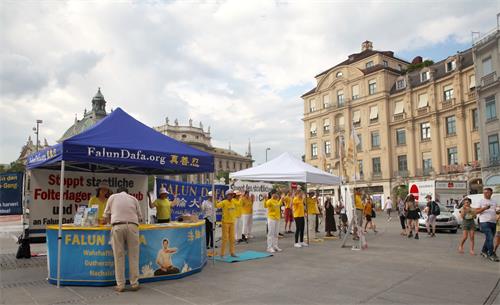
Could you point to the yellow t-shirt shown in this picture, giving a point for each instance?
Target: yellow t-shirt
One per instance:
(102, 205)
(368, 209)
(246, 206)
(288, 202)
(228, 210)
(163, 208)
(357, 202)
(312, 207)
(237, 206)
(273, 208)
(298, 207)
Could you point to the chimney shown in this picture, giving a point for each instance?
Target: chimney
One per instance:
(366, 45)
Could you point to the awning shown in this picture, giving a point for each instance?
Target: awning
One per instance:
(356, 117)
(373, 113)
(399, 108)
(422, 101)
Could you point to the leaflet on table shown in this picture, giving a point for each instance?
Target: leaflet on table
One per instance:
(86, 217)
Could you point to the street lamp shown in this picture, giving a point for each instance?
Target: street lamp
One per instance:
(267, 149)
(37, 131)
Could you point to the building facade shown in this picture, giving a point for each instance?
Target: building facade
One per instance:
(226, 160)
(486, 52)
(410, 121)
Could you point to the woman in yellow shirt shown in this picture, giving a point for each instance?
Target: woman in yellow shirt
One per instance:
(246, 214)
(298, 216)
(100, 199)
(273, 206)
(163, 206)
(228, 217)
(288, 212)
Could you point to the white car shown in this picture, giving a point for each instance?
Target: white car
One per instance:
(475, 204)
(445, 221)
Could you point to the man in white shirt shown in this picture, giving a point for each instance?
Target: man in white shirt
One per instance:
(123, 212)
(388, 208)
(487, 223)
(207, 208)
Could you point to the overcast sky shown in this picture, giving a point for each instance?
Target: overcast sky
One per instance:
(238, 66)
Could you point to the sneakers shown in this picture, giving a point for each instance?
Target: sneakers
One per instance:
(493, 258)
(484, 254)
(277, 249)
(433, 235)
(416, 236)
(410, 235)
(271, 250)
(297, 245)
(135, 287)
(303, 244)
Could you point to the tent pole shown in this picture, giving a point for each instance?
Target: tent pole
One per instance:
(59, 232)
(214, 225)
(307, 218)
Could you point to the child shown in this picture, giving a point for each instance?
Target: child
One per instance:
(468, 225)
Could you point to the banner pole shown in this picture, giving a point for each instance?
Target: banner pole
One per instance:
(59, 233)
(307, 218)
(214, 225)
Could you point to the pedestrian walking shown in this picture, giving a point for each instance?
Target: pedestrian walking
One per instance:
(388, 208)
(468, 225)
(497, 236)
(246, 214)
(432, 210)
(273, 206)
(369, 211)
(487, 223)
(402, 216)
(298, 216)
(228, 207)
(412, 216)
(329, 217)
(207, 208)
(124, 213)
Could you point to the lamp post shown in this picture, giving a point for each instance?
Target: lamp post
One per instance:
(37, 131)
(267, 149)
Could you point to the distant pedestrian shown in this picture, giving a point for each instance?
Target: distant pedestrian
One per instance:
(487, 223)
(412, 216)
(298, 216)
(388, 208)
(402, 215)
(329, 217)
(368, 211)
(124, 213)
(468, 225)
(432, 210)
(273, 206)
(288, 212)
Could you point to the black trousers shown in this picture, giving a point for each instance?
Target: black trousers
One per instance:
(402, 219)
(299, 229)
(209, 233)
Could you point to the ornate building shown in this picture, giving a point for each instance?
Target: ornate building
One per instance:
(420, 124)
(226, 160)
(30, 148)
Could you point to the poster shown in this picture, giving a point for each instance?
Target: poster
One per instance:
(87, 257)
(43, 195)
(258, 190)
(11, 190)
(190, 195)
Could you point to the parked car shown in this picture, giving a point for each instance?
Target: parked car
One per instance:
(475, 198)
(445, 221)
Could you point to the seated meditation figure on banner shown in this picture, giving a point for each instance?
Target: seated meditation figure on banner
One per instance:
(164, 260)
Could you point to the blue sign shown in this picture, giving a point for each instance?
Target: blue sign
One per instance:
(87, 257)
(11, 194)
(190, 196)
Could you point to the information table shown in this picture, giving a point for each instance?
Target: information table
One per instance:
(87, 256)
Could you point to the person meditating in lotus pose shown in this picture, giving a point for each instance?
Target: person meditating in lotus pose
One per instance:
(164, 260)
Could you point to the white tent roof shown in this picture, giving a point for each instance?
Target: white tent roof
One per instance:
(286, 168)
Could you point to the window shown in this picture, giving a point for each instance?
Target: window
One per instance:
(400, 84)
(425, 131)
(386, 64)
(372, 87)
(369, 64)
(401, 136)
(422, 100)
(314, 129)
(326, 125)
(375, 139)
(402, 163)
(360, 168)
(377, 170)
(448, 92)
(314, 151)
(451, 126)
(359, 145)
(472, 82)
(493, 147)
(234, 165)
(452, 156)
(220, 164)
(326, 101)
(400, 67)
(339, 74)
(475, 119)
(340, 121)
(356, 118)
(328, 148)
(373, 114)
(451, 65)
(491, 108)
(355, 92)
(340, 98)
(477, 151)
(427, 162)
(312, 105)
(399, 108)
(424, 76)
(487, 67)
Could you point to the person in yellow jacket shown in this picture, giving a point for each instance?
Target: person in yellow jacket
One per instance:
(273, 206)
(288, 212)
(237, 220)
(246, 215)
(228, 217)
(298, 216)
(358, 204)
(100, 199)
(312, 211)
(163, 206)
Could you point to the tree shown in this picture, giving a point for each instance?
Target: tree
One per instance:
(223, 174)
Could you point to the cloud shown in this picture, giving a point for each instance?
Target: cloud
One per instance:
(239, 67)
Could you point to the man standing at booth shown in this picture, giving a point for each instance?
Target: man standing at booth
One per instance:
(124, 214)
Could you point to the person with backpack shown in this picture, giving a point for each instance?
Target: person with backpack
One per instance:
(433, 211)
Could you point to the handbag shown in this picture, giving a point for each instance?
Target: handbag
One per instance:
(373, 213)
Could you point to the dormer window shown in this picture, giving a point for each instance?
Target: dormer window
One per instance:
(400, 84)
(339, 74)
(451, 65)
(369, 64)
(424, 76)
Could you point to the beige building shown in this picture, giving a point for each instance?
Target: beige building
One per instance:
(416, 125)
(486, 51)
(226, 160)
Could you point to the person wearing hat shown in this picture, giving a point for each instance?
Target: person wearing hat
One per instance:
(273, 206)
(228, 217)
(207, 208)
(163, 206)
(100, 199)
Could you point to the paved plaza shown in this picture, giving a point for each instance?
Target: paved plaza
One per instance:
(393, 270)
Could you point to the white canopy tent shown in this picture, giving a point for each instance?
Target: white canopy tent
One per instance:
(286, 168)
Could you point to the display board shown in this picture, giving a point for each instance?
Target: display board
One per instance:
(257, 190)
(11, 194)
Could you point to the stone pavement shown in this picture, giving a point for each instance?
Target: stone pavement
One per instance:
(393, 270)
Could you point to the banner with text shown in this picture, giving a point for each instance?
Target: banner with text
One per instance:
(257, 191)
(11, 194)
(79, 188)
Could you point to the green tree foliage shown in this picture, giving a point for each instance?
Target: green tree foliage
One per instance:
(414, 67)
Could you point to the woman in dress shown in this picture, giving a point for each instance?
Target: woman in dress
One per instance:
(329, 217)
(412, 216)
(468, 225)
